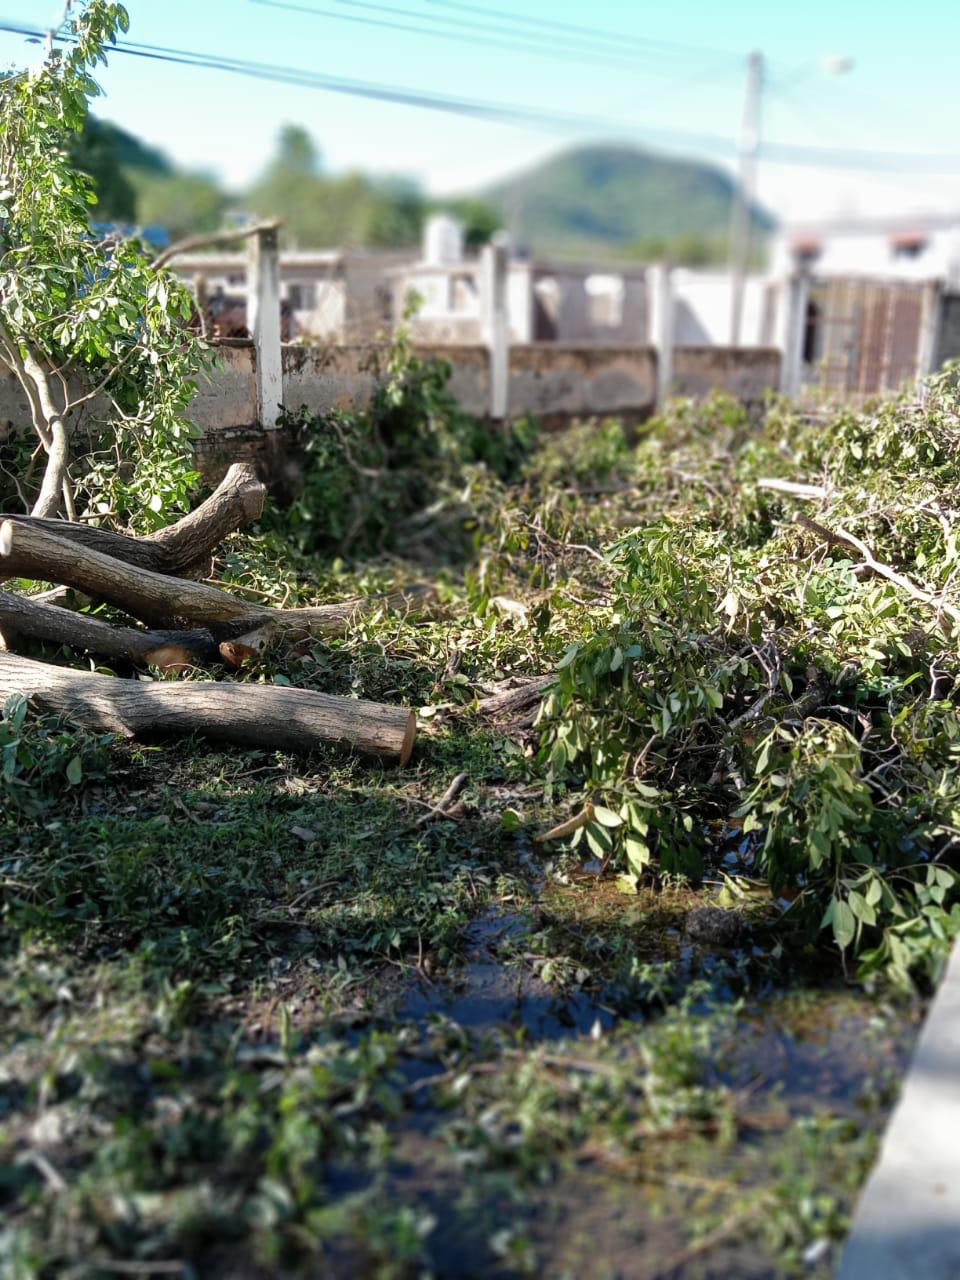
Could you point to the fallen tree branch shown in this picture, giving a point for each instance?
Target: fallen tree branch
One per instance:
(793, 487)
(248, 715)
(204, 241)
(840, 538)
(569, 827)
(444, 806)
(242, 646)
(169, 650)
(182, 547)
(518, 699)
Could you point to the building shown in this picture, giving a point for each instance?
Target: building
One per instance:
(326, 295)
(546, 301)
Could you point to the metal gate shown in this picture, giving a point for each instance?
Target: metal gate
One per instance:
(863, 336)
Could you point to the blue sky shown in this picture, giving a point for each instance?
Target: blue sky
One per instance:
(900, 95)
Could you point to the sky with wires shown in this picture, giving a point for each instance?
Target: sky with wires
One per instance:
(457, 93)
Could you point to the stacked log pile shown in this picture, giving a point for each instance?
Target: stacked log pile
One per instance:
(188, 623)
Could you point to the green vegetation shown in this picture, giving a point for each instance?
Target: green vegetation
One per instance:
(87, 323)
(620, 202)
(140, 185)
(282, 1014)
(637, 991)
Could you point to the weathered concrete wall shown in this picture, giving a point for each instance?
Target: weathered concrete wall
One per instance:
(546, 379)
(553, 381)
(228, 398)
(745, 372)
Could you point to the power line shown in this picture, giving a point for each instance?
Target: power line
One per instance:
(507, 113)
(464, 32)
(618, 37)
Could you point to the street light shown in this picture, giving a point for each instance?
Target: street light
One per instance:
(749, 149)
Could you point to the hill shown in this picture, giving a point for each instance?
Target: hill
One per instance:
(620, 201)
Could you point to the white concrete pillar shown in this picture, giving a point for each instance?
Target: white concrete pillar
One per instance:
(495, 326)
(927, 339)
(263, 322)
(660, 309)
(791, 330)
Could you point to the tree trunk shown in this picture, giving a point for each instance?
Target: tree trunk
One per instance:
(29, 551)
(182, 547)
(247, 715)
(170, 650)
(54, 486)
(300, 624)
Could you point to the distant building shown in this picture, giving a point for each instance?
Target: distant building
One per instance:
(546, 301)
(327, 295)
(918, 248)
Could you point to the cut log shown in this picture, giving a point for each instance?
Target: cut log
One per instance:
(23, 616)
(293, 625)
(248, 715)
(182, 548)
(29, 551)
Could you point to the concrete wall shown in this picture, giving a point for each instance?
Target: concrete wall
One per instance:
(702, 304)
(546, 379)
(552, 381)
(745, 372)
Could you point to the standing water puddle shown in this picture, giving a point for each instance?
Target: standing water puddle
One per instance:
(486, 994)
(803, 1067)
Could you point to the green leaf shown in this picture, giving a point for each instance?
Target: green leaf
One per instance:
(598, 839)
(638, 854)
(844, 924)
(568, 657)
(509, 820)
(606, 817)
(75, 771)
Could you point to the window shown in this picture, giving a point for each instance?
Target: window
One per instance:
(605, 301)
(302, 297)
(805, 250)
(908, 244)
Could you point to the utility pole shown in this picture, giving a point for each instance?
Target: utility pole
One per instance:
(743, 196)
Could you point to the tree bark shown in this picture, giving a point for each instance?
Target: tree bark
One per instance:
(243, 646)
(23, 616)
(248, 715)
(29, 551)
(182, 547)
(54, 486)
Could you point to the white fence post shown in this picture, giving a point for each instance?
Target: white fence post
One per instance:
(495, 321)
(791, 331)
(660, 309)
(263, 322)
(928, 339)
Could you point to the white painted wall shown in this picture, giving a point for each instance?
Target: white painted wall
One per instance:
(701, 309)
(870, 251)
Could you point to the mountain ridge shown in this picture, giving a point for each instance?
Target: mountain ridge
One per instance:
(617, 200)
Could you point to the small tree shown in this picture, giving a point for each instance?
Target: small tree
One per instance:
(87, 320)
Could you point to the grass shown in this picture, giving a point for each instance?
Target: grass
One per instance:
(207, 1067)
(266, 1016)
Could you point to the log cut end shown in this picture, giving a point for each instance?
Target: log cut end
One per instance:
(6, 537)
(171, 657)
(409, 738)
